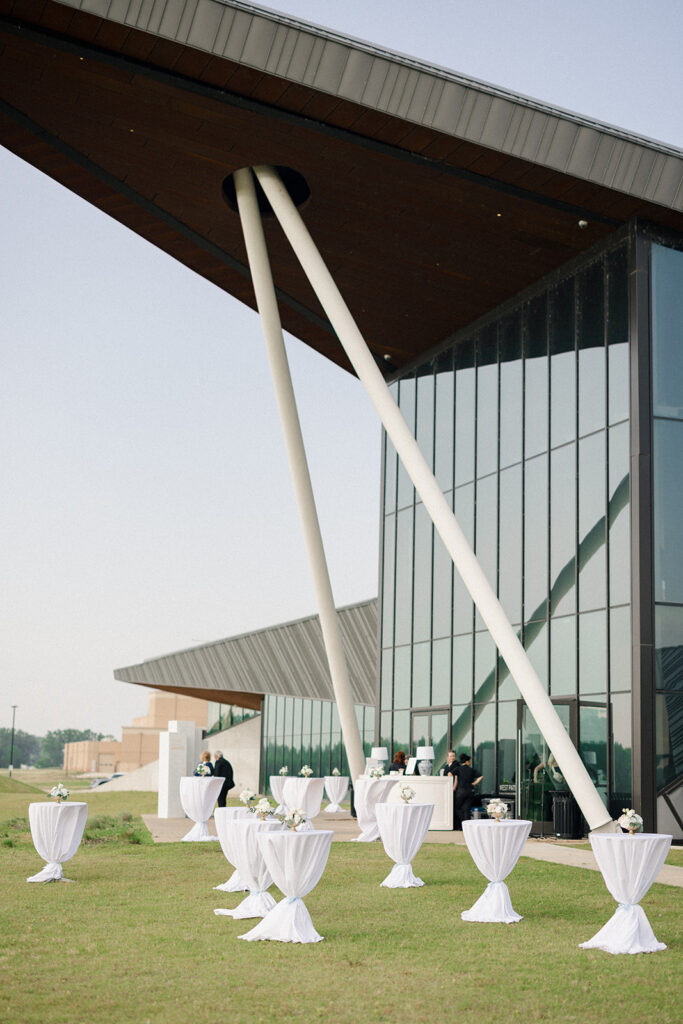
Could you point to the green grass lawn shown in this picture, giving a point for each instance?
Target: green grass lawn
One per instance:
(136, 940)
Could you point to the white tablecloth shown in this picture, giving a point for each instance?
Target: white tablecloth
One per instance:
(402, 828)
(222, 816)
(629, 866)
(306, 794)
(246, 855)
(495, 847)
(198, 794)
(336, 787)
(367, 793)
(277, 785)
(56, 831)
(296, 860)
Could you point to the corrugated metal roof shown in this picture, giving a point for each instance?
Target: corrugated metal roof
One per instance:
(410, 89)
(287, 659)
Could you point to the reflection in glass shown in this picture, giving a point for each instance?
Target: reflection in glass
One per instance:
(422, 601)
(484, 760)
(507, 746)
(402, 677)
(420, 725)
(668, 502)
(406, 403)
(510, 544)
(441, 672)
(462, 602)
(425, 413)
(593, 652)
(667, 317)
(621, 752)
(462, 668)
(617, 335)
(536, 379)
(619, 515)
(464, 413)
(390, 458)
(485, 661)
(592, 376)
(563, 529)
(511, 390)
(592, 524)
(404, 576)
(442, 611)
(387, 679)
(389, 544)
(620, 648)
(536, 646)
(421, 674)
(536, 538)
(593, 745)
(669, 647)
(461, 728)
(401, 733)
(443, 440)
(562, 365)
(487, 402)
(669, 738)
(486, 528)
(385, 729)
(563, 656)
(440, 731)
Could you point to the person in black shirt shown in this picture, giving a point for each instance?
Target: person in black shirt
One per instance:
(465, 780)
(223, 769)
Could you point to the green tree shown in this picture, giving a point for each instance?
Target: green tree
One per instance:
(52, 746)
(26, 747)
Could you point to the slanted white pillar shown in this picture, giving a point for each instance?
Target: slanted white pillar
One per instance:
(505, 638)
(266, 300)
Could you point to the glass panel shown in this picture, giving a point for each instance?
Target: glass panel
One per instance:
(507, 746)
(486, 530)
(592, 376)
(668, 502)
(667, 318)
(669, 647)
(536, 538)
(389, 475)
(425, 413)
(385, 730)
(442, 611)
(445, 408)
(484, 761)
(485, 659)
(562, 365)
(387, 679)
(563, 657)
(593, 745)
(622, 787)
(510, 543)
(592, 551)
(541, 776)
(563, 530)
(617, 335)
(462, 668)
(402, 677)
(487, 402)
(420, 737)
(441, 672)
(422, 601)
(462, 602)
(421, 672)
(669, 742)
(620, 648)
(461, 729)
(511, 417)
(401, 733)
(619, 515)
(536, 379)
(406, 402)
(439, 739)
(592, 652)
(536, 646)
(464, 413)
(389, 550)
(404, 576)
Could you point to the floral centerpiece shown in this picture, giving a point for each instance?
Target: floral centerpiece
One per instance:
(496, 809)
(377, 772)
(59, 792)
(202, 769)
(631, 821)
(248, 796)
(335, 771)
(406, 792)
(293, 818)
(262, 809)
(284, 770)
(306, 771)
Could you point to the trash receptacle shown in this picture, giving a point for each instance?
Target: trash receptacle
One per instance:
(567, 820)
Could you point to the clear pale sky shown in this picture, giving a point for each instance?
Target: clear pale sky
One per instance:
(146, 503)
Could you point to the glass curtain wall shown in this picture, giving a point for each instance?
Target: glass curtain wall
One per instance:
(525, 422)
(223, 716)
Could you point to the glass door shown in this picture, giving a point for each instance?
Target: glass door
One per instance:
(537, 771)
(430, 729)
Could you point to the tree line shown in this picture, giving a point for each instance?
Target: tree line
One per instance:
(40, 751)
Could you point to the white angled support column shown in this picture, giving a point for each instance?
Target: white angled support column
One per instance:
(505, 638)
(266, 301)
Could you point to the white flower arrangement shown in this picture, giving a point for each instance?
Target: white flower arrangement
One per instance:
(262, 808)
(293, 818)
(630, 820)
(247, 796)
(377, 772)
(336, 772)
(284, 770)
(306, 771)
(406, 792)
(60, 792)
(202, 769)
(496, 809)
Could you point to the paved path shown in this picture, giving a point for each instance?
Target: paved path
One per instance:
(345, 828)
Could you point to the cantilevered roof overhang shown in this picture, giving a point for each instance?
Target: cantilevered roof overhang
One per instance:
(434, 197)
(286, 660)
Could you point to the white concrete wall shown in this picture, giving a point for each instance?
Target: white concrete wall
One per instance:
(241, 746)
(142, 780)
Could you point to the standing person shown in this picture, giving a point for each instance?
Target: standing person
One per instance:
(465, 780)
(450, 768)
(223, 769)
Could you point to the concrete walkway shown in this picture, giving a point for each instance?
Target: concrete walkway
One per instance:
(345, 828)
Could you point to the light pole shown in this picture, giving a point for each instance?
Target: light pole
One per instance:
(11, 746)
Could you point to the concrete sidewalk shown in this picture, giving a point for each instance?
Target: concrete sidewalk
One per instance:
(345, 828)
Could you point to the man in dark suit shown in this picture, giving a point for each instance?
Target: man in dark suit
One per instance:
(223, 769)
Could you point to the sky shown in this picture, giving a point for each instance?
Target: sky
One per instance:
(147, 505)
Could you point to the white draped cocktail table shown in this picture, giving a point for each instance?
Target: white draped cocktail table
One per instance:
(223, 816)
(336, 787)
(495, 847)
(277, 785)
(296, 860)
(629, 866)
(402, 828)
(245, 853)
(306, 795)
(369, 792)
(56, 831)
(198, 794)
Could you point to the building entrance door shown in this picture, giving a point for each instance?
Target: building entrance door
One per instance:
(431, 729)
(538, 775)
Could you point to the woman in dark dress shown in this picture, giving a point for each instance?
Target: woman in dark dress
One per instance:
(466, 779)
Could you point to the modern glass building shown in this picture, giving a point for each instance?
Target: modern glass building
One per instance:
(554, 426)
